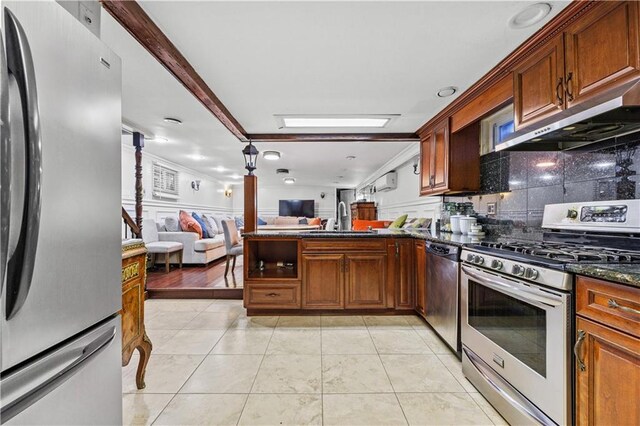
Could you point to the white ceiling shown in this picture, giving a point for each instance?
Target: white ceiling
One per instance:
(265, 58)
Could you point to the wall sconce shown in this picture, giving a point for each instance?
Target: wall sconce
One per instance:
(322, 195)
(195, 184)
(416, 163)
(228, 192)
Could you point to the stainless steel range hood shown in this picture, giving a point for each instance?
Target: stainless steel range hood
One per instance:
(615, 114)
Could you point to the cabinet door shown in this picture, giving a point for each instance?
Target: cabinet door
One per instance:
(322, 281)
(404, 274)
(366, 280)
(607, 388)
(602, 50)
(421, 277)
(538, 84)
(426, 166)
(440, 162)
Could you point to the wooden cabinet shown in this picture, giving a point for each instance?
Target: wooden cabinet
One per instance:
(607, 353)
(538, 84)
(272, 296)
(602, 50)
(421, 277)
(594, 54)
(366, 280)
(450, 162)
(363, 211)
(323, 281)
(401, 272)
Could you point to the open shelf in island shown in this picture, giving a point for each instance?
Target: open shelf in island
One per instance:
(272, 259)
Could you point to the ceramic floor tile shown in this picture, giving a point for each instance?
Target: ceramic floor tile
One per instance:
(211, 321)
(454, 366)
(186, 342)
(488, 409)
(434, 342)
(416, 321)
(169, 320)
(294, 341)
(306, 321)
(202, 409)
(442, 409)
(347, 342)
(142, 409)
(354, 374)
(165, 373)
(419, 373)
(399, 342)
(362, 409)
(282, 409)
(250, 341)
(342, 322)
(392, 322)
(244, 322)
(226, 307)
(224, 374)
(158, 337)
(289, 374)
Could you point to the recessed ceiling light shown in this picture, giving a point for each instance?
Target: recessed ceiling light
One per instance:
(289, 180)
(235, 176)
(339, 121)
(351, 157)
(530, 15)
(197, 157)
(271, 155)
(159, 139)
(220, 169)
(447, 91)
(282, 171)
(172, 120)
(543, 164)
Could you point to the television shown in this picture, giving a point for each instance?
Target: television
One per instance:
(298, 208)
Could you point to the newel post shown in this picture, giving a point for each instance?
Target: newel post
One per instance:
(138, 143)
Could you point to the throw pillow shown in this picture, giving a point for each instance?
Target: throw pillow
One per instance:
(303, 221)
(218, 220)
(261, 222)
(203, 226)
(210, 224)
(363, 225)
(239, 222)
(398, 222)
(315, 221)
(409, 223)
(189, 224)
(171, 224)
(160, 227)
(422, 222)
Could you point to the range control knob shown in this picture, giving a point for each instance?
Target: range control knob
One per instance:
(518, 270)
(496, 264)
(479, 260)
(531, 273)
(470, 257)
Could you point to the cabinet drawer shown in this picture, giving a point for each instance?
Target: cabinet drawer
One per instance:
(276, 296)
(341, 245)
(614, 305)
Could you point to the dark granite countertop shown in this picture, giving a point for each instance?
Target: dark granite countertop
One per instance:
(628, 274)
(440, 237)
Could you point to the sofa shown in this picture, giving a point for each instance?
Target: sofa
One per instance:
(286, 223)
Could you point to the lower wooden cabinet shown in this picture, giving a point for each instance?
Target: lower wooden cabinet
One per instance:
(609, 384)
(421, 277)
(401, 271)
(365, 280)
(272, 296)
(323, 281)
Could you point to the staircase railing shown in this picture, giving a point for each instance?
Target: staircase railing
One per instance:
(130, 226)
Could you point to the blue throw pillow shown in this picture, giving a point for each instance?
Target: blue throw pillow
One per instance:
(198, 219)
(239, 222)
(261, 222)
(303, 221)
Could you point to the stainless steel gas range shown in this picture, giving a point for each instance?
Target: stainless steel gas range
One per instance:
(517, 306)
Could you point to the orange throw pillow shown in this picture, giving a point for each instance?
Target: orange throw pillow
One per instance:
(315, 221)
(189, 224)
(363, 225)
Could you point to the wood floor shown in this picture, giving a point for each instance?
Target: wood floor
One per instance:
(196, 282)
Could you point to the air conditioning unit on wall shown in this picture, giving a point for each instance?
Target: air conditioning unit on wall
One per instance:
(387, 182)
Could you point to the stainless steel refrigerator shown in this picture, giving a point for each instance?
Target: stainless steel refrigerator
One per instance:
(60, 220)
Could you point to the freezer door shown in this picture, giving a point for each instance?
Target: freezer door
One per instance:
(77, 384)
(65, 228)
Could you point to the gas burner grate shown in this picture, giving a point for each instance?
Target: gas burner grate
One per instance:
(566, 252)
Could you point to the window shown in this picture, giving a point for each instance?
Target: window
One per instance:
(165, 182)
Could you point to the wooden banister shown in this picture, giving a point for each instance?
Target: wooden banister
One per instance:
(136, 232)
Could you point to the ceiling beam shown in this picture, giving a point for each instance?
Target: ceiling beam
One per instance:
(136, 21)
(334, 137)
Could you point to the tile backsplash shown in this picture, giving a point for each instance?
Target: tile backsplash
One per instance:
(521, 183)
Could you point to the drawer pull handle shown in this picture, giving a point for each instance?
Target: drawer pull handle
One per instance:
(614, 305)
(273, 294)
(576, 349)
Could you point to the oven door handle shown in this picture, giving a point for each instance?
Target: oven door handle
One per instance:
(516, 291)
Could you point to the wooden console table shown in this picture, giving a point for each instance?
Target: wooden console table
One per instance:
(134, 277)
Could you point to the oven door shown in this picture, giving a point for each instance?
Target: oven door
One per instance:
(522, 332)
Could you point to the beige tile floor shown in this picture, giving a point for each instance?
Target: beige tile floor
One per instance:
(213, 365)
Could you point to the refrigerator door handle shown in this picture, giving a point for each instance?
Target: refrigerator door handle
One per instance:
(5, 165)
(21, 263)
(57, 378)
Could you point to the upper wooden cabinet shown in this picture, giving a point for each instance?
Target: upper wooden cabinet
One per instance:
(602, 50)
(538, 84)
(594, 54)
(450, 162)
